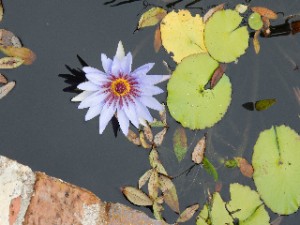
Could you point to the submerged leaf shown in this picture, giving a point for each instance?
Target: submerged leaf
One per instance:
(144, 178)
(232, 163)
(24, 53)
(182, 34)
(10, 62)
(152, 17)
(255, 22)
(199, 150)
(188, 213)
(256, 42)
(265, 12)
(157, 39)
(169, 193)
(136, 196)
(264, 104)
(276, 166)
(4, 90)
(180, 143)
(189, 102)
(224, 39)
(1, 10)
(210, 169)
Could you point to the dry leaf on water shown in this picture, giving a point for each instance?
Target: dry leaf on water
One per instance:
(169, 192)
(153, 185)
(133, 137)
(159, 137)
(144, 178)
(24, 53)
(4, 90)
(148, 133)
(199, 150)
(3, 79)
(265, 12)
(245, 167)
(155, 162)
(7, 38)
(218, 73)
(144, 141)
(1, 10)
(10, 62)
(136, 196)
(163, 115)
(188, 213)
(157, 39)
(152, 17)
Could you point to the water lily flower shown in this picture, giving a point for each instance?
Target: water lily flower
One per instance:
(119, 91)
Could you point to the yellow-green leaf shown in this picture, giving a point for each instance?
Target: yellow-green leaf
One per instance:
(10, 62)
(264, 104)
(136, 196)
(24, 53)
(155, 162)
(153, 185)
(210, 169)
(256, 42)
(152, 17)
(182, 34)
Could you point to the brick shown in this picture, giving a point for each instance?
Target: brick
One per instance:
(16, 187)
(57, 202)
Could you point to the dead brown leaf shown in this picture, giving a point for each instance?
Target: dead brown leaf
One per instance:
(148, 133)
(143, 140)
(155, 162)
(133, 137)
(188, 213)
(199, 150)
(169, 192)
(3, 79)
(4, 90)
(136, 196)
(153, 185)
(256, 42)
(265, 12)
(245, 167)
(24, 53)
(157, 39)
(212, 11)
(10, 62)
(159, 137)
(7, 38)
(218, 73)
(144, 178)
(1, 10)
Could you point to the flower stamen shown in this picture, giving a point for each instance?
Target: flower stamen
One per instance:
(120, 87)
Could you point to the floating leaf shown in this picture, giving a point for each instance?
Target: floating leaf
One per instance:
(180, 143)
(133, 137)
(256, 42)
(152, 17)
(241, 8)
(265, 12)
(255, 22)
(144, 178)
(212, 11)
(219, 214)
(163, 115)
(7, 38)
(188, 213)
(157, 210)
(10, 62)
(169, 193)
(199, 150)
(4, 90)
(224, 40)
(210, 169)
(217, 75)
(136, 196)
(156, 123)
(24, 53)
(182, 34)
(143, 140)
(276, 166)
(155, 162)
(264, 104)
(148, 133)
(1, 10)
(157, 39)
(189, 102)
(3, 79)
(153, 185)
(203, 216)
(159, 137)
(245, 167)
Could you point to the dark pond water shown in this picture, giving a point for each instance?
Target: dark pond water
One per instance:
(41, 128)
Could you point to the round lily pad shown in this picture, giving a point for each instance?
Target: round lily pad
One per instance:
(182, 34)
(224, 39)
(189, 102)
(276, 163)
(255, 21)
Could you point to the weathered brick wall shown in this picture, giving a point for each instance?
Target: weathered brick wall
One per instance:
(34, 198)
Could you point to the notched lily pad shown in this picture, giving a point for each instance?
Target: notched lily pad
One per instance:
(276, 166)
(189, 102)
(224, 39)
(182, 34)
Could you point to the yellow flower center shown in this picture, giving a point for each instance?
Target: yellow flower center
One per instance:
(120, 87)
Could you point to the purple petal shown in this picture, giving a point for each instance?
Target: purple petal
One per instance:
(88, 86)
(96, 78)
(107, 113)
(155, 79)
(143, 70)
(151, 103)
(106, 63)
(143, 112)
(83, 95)
(131, 114)
(93, 112)
(89, 69)
(123, 121)
(126, 63)
(151, 90)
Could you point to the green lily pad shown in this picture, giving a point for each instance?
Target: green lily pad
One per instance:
(189, 102)
(224, 39)
(255, 21)
(276, 163)
(244, 207)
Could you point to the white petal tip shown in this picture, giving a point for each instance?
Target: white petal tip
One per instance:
(120, 54)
